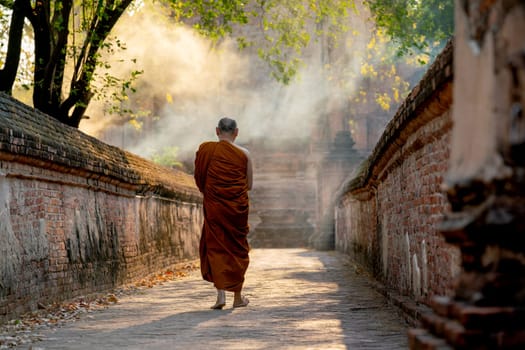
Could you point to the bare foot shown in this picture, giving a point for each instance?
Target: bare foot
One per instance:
(221, 300)
(218, 306)
(241, 303)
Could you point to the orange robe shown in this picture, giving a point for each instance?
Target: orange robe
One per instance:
(220, 174)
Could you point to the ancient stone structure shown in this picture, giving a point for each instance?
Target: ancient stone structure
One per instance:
(485, 184)
(78, 216)
(282, 208)
(335, 165)
(387, 215)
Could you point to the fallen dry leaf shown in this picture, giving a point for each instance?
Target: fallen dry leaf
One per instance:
(23, 330)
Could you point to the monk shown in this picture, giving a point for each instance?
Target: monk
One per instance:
(223, 173)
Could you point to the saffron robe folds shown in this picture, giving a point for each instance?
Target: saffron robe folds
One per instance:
(221, 175)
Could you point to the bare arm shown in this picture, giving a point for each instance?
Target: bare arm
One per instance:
(249, 167)
(249, 172)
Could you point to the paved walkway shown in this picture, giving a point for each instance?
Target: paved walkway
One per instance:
(299, 299)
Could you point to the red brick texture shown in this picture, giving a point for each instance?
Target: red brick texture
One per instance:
(387, 216)
(485, 184)
(78, 216)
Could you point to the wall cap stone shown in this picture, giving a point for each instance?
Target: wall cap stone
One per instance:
(31, 137)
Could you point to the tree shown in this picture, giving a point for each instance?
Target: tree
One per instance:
(416, 25)
(53, 24)
(286, 27)
(58, 25)
(70, 35)
(8, 73)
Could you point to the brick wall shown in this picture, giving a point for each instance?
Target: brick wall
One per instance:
(78, 216)
(485, 184)
(387, 216)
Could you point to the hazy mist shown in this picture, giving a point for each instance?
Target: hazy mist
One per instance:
(196, 83)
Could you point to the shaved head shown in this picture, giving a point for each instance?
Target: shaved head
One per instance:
(227, 125)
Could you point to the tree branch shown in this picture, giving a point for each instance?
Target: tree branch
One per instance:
(42, 30)
(58, 56)
(14, 46)
(100, 27)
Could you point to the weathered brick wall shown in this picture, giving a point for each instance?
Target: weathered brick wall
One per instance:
(387, 216)
(485, 184)
(78, 216)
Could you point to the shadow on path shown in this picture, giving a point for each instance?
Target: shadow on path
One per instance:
(299, 299)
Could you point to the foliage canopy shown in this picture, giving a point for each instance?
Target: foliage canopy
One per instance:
(415, 24)
(70, 37)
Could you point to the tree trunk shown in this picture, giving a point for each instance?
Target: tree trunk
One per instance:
(16, 29)
(51, 39)
(43, 41)
(80, 92)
